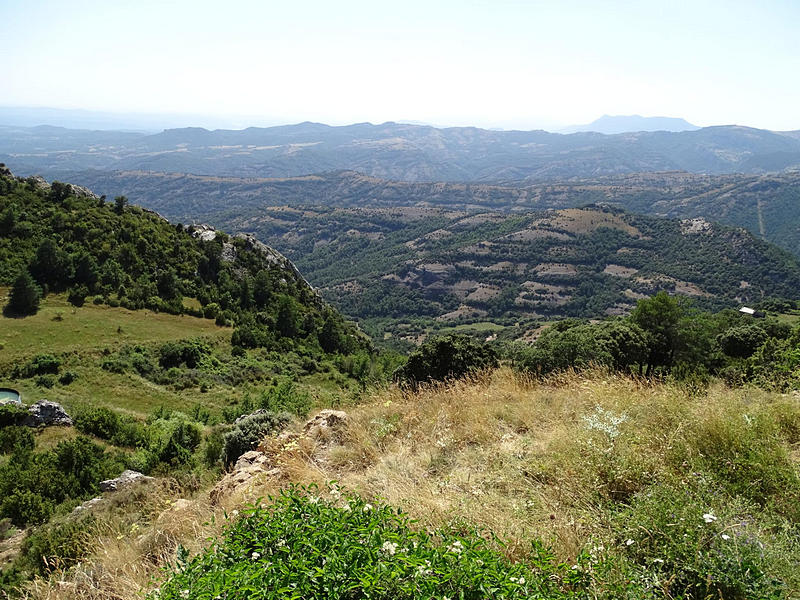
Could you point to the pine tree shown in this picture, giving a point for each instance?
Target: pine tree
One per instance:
(24, 297)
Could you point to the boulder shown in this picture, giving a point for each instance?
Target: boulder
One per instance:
(127, 478)
(45, 413)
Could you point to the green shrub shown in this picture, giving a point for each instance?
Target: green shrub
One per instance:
(302, 546)
(699, 547)
(45, 381)
(16, 438)
(187, 352)
(11, 414)
(41, 364)
(98, 421)
(214, 444)
(77, 295)
(67, 377)
(285, 397)
(249, 431)
(57, 545)
(449, 357)
(173, 440)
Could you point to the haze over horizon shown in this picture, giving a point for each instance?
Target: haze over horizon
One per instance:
(504, 64)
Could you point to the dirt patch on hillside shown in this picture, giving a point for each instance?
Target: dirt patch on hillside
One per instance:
(555, 269)
(620, 271)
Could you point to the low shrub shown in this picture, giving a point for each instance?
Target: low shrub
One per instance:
(698, 547)
(98, 421)
(248, 431)
(285, 397)
(55, 546)
(16, 438)
(302, 546)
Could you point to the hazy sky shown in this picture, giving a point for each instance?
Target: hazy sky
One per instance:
(496, 63)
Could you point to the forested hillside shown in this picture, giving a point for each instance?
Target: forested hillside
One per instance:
(389, 267)
(763, 204)
(60, 237)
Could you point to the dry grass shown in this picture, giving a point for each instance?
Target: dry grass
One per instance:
(520, 458)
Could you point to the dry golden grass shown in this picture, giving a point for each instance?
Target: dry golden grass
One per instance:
(523, 459)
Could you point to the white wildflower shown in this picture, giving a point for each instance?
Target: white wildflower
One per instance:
(658, 560)
(455, 547)
(725, 536)
(389, 548)
(629, 541)
(367, 507)
(709, 517)
(280, 543)
(255, 556)
(235, 513)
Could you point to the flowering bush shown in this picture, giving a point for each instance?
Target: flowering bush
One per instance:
(303, 546)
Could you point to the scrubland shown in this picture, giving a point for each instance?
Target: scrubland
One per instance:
(638, 489)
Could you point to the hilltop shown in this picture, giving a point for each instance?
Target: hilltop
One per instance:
(453, 267)
(586, 486)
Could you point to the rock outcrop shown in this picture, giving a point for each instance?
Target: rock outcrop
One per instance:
(266, 462)
(127, 478)
(45, 413)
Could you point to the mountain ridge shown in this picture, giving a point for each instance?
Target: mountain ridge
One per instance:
(405, 152)
(614, 124)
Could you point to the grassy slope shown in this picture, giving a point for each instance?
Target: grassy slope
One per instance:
(82, 335)
(528, 460)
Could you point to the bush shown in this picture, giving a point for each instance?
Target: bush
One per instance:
(57, 546)
(16, 438)
(41, 364)
(699, 548)
(188, 352)
(77, 295)
(98, 421)
(305, 547)
(11, 414)
(448, 357)
(67, 377)
(173, 440)
(285, 397)
(24, 297)
(249, 431)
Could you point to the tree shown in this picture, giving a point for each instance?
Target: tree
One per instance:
(120, 202)
(742, 341)
(449, 357)
(659, 316)
(24, 297)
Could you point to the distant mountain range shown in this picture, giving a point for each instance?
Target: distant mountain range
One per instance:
(611, 125)
(400, 151)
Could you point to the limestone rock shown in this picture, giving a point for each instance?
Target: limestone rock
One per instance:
(327, 426)
(127, 478)
(88, 505)
(45, 413)
(249, 466)
(82, 192)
